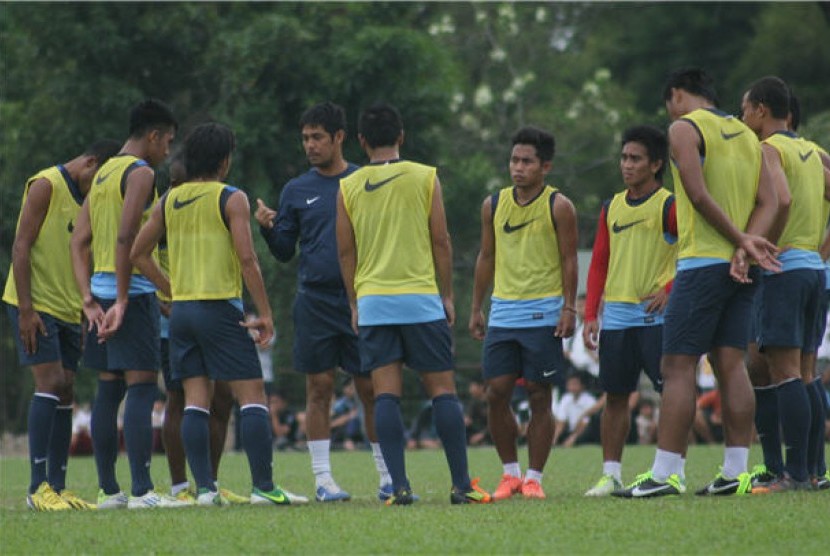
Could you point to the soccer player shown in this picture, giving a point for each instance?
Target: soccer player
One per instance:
(44, 307)
(528, 254)
(790, 318)
(210, 253)
(323, 335)
(724, 202)
(392, 240)
(221, 403)
(632, 267)
(121, 305)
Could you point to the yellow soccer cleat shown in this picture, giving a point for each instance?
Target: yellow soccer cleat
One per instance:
(76, 501)
(44, 499)
(233, 498)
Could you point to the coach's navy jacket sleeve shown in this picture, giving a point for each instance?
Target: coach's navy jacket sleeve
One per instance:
(282, 237)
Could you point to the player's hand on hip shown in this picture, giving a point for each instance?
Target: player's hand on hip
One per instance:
(567, 325)
(30, 323)
(590, 334)
(264, 215)
(762, 251)
(111, 321)
(93, 314)
(476, 326)
(657, 301)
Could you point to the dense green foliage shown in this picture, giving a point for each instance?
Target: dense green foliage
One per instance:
(464, 75)
(565, 523)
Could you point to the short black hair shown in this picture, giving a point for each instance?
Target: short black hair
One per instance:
(328, 115)
(103, 150)
(795, 111)
(772, 92)
(206, 147)
(655, 142)
(380, 125)
(540, 138)
(692, 80)
(151, 114)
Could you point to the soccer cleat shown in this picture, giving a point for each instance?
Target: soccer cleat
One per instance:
(44, 499)
(329, 491)
(152, 499)
(722, 486)
(507, 487)
(823, 482)
(402, 497)
(532, 488)
(760, 476)
(786, 484)
(209, 498)
(115, 501)
(605, 486)
(276, 497)
(75, 501)
(644, 486)
(476, 495)
(233, 498)
(187, 496)
(385, 492)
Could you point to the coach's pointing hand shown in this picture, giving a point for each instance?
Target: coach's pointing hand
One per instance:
(264, 215)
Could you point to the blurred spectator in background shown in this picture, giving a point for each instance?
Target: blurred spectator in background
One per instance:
(346, 427)
(422, 433)
(81, 444)
(646, 422)
(571, 423)
(708, 424)
(475, 414)
(283, 422)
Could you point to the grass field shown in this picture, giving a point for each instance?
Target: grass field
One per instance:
(564, 523)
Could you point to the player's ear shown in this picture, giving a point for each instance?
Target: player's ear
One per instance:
(547, 166)
(339, 136)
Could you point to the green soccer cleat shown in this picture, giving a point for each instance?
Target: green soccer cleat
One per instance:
(605, 486)
(723, 486)
(476, 495)
(645, 486)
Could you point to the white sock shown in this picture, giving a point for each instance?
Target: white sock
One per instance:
(533, 475)
(613, 468)
(665, 465)
(682, 473)
(513, 469)
(380, 464)
(734, 461)
(320, 462)
(175, 489)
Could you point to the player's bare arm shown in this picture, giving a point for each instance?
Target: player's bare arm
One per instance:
(81, 248)
(567, 237)
(347, 254)
(442, 251)
(775, 173)
(31, 219)
(141, 255)
(484, 271)
(238, 212)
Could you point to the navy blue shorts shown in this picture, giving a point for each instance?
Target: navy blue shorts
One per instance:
(170, 383)
(532, 353)
(206, 339)
(61, 343)
(624, 353)
(323, 335)
(708, 309)
(135, 346)
(791, 310)
(424, 347)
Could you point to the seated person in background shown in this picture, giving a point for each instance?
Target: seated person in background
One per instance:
(422, 433)
(569, 413)
(283, 422)
(646, 422)
(475, 414)
(708, 423)
(346, 428)
(81, 444)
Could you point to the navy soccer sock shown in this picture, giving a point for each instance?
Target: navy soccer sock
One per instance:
(105, 432)
(815, 445)
(59, 447)
(196, 437)
(138, 434)
(41, 416)
(256, 440)
(769, 428)
(794, 412)
(449, 423)
(390, 431)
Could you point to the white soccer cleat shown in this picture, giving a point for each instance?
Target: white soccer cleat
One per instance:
(153, 499)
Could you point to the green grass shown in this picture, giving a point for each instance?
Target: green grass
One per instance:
(564, 523)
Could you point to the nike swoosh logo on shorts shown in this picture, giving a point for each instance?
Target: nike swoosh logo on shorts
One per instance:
(548, 374)
(312, 200)
(369, 186)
